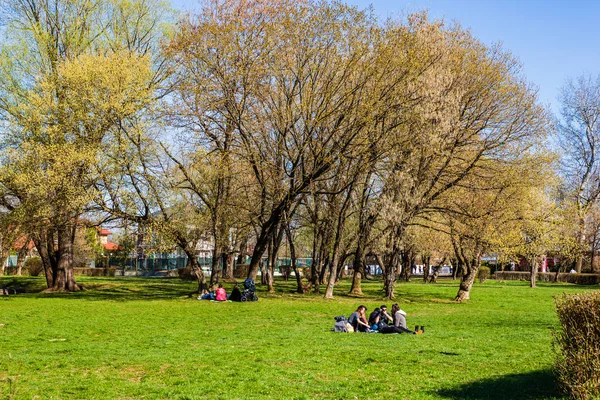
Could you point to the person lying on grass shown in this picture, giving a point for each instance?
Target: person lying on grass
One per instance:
(358, 320)
(206, 295)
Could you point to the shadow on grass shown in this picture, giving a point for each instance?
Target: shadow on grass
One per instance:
(532, 385)
(102, 289)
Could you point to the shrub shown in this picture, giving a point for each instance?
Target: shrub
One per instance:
(579, 279)
(577, 344)
(241, 270)
(34, 266)
(483, 273)
(186, 274)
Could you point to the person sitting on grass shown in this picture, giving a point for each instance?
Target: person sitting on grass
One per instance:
(358, 320)
(386, 322)
(385, 319)
(235, 295)
(374, 319)
(221, 294)
(400, 319)
(206, 295)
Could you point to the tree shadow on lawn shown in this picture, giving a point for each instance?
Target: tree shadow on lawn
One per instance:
(124, 292)
(102, 289)
(532, 385)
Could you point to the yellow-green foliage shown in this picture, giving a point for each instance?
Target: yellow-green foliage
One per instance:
(577, 344)
(62, 127)
(483, 273)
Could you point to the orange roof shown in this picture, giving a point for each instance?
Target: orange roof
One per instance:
(111, 246)
(20, 242)
(105, 232)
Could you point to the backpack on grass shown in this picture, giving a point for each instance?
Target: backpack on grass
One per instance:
(340, 324)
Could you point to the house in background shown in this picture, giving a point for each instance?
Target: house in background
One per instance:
(21, 248)
(103, 235)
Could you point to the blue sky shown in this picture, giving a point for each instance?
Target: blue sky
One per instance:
(553, 39)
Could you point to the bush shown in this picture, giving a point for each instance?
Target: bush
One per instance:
(579, 279)
(577, 344)
(241, 271)
(34, 266)
(186, 274)
(483, 273)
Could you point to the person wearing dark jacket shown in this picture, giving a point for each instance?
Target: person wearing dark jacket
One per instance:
(374, 319)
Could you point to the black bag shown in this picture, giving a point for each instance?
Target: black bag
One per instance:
(235, 295)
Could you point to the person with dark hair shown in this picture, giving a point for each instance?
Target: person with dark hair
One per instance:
(399, 317)
(385, 319)
(386, 322)
(358, 320)
(221, 293)
(236, 294)
(374, 319)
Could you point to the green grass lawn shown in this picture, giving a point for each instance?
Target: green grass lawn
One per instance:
(131, 338)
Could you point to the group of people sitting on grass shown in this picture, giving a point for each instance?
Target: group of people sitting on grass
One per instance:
(220, 294)
(380, 321)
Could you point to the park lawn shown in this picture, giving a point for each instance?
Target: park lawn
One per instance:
(131, 338)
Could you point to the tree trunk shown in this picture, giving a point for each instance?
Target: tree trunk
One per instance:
(230, 266)
(333, 274)
(359, 255)
(426, 268)
(407, 263)
(290, 239)
(533, 274)
(436, 271)
(340, 267)
(195, 266)
(389, 275)
(268, 228)
(338, 259)
(593, 252)
(64, 280)
(241, 259)
(271, 261)
(358, 269)
(21, 254)
(467, 280)
(455, 269)
(325, 267)
(3, 258)
(44, 242)
(215, 269)
(581, 242)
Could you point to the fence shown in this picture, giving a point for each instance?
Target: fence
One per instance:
(169, 262)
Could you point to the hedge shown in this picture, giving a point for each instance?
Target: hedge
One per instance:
(94, 271)
(579, 279)
(577, 345)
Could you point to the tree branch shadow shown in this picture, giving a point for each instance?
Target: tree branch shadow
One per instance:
(532, 385)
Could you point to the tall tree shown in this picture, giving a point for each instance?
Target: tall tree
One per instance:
(579, 139)
(88, 68)
(289, 78)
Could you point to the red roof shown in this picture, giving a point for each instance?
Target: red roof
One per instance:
(20, 242)
(111, 246)
(105, 232)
